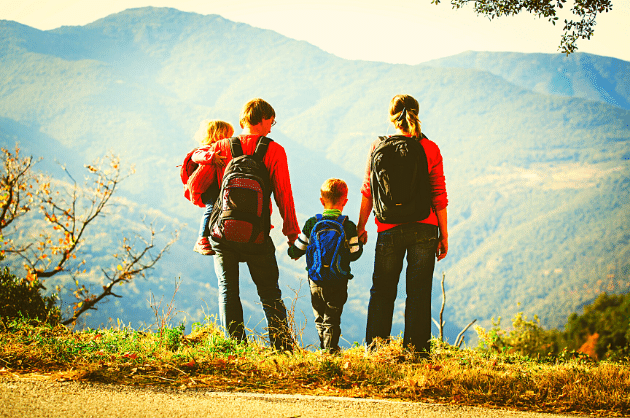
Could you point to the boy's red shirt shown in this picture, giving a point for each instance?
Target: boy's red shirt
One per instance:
(276, 162)
(436, 178)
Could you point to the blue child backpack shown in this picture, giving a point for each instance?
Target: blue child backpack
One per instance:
(327, 245)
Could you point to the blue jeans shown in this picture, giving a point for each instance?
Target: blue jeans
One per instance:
(419, 242)
(204, 228)
(208, 197)
(264, 271)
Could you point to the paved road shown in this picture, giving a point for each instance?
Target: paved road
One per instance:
(33, 398)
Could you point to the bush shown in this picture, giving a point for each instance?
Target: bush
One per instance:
(601, 332)
(605, 324)
(20, 298)
(526, 337)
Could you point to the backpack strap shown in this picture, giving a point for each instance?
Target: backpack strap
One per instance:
(235, 147)
(261, 147)
(341, 219)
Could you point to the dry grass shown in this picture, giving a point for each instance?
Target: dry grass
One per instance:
(205, 359)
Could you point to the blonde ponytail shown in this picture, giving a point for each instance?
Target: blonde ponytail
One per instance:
(403, 113)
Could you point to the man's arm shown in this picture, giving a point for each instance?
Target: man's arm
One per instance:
(283, 194)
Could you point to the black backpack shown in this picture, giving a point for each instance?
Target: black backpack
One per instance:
(241, 212)
(401, 191)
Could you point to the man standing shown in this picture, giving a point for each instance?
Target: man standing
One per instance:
(256, 120)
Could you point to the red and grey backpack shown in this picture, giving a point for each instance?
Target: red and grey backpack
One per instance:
(241, 212)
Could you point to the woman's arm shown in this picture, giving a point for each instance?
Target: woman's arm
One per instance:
(364, 214)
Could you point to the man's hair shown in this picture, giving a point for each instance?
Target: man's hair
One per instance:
(211, 131)
(255, 111)
(334, 190)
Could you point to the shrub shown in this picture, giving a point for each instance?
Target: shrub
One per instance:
(605, 324)
(526, 337)
(22, 298)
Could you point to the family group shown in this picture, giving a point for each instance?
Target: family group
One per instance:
(234, 177)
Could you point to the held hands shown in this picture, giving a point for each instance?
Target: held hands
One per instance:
(290, 242)
(291, 239)
(362, 234)
(442, 248)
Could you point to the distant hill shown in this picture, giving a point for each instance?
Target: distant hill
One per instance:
(580, 75)
(535, 148)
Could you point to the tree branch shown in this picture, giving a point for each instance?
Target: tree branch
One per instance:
(134, 263)
(580, 27)
(460, 337)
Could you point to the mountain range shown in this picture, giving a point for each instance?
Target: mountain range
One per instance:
(535, 146)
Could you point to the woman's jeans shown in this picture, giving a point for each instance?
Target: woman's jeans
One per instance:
(263, 269)
(419, 242)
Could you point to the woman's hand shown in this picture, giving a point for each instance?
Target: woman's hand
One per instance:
(442, 248)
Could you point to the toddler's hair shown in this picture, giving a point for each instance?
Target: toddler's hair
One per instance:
(211, 131)
(334, 190)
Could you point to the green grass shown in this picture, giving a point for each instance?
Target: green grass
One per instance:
(567, 383)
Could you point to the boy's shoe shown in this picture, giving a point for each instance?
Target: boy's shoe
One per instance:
(202, 246)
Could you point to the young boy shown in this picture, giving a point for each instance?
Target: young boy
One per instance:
(329, 296)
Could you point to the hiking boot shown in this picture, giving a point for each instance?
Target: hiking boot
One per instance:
(203, 247)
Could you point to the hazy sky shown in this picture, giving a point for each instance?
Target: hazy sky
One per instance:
(404, 31)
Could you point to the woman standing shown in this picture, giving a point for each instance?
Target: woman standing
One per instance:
(422, 236)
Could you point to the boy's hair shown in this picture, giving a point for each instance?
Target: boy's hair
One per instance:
(255, 111)
(334, 190)
(211, 131)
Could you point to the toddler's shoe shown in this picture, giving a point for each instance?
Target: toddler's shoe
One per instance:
(202, 246)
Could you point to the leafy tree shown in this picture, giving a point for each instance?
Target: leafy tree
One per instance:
(16, 187)
(68, 210)
(581, 26)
